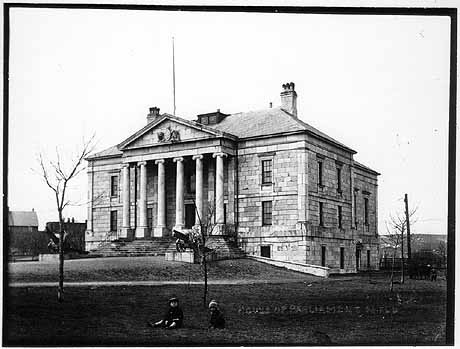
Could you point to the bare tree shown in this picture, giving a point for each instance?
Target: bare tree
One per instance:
(396, 227)
(393, 241)
(197, 241)
(206, 228)
(57, 176)
(442, 251)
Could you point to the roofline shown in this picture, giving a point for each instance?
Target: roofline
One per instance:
(213, 113)
(94, 157)
(338, 145)
(330, 141)
(204, 127)
(365, 168)
(240, 139)
(165, 116)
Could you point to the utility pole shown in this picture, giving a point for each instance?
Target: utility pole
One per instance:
(402, 254)
(408, 228)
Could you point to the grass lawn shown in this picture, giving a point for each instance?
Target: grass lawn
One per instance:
(146, 269)
(348, 310)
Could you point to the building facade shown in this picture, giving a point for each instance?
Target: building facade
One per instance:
(24, 239)
(282, 188)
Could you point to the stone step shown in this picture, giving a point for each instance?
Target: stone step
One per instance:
(223, 247)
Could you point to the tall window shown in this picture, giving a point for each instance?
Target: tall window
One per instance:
(323, 256)
(320, 173)
(113, 220)
(267, 172)
(321, 218)
(149, 218)
(366, 211)
(339, 216)
(114, 186)
(339, 179)
(266, 213)
(368, 259)
(355, 208)
(342, 257)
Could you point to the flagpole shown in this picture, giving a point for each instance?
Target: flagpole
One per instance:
(174, 78)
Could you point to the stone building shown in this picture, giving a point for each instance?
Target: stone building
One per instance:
(282, 188)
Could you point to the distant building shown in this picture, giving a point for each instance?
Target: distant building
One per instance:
(419, 243)
(24, 239)
(282, 188)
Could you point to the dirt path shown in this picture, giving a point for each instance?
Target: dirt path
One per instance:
(151, 283)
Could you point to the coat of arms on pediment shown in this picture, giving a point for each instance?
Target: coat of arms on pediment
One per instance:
(168, 135)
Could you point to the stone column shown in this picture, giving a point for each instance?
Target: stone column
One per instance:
(125, 229)
(160, 229)
(199, 188)
(142, 229)
(219, 209)
(180, 217)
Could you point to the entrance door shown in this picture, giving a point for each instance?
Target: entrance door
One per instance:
(358, 258)
(189, 216)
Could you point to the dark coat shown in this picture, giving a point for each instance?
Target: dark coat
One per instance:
(217, 319)
(174, 314)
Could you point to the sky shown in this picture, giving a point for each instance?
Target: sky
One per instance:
(379, 84)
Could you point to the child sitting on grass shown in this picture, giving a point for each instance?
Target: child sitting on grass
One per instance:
(173, 317)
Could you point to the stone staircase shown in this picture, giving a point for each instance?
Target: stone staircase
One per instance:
(135, 248)
(224, 248)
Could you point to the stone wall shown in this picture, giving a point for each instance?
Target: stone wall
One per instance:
(282, 238)
(365, 185)
(291, 237)
(100, 201)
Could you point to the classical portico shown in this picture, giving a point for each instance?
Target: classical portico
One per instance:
(169, 148)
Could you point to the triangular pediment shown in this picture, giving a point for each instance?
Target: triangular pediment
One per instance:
(169, 129)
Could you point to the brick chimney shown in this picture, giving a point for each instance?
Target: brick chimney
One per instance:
(289, 98)
(154, 112)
